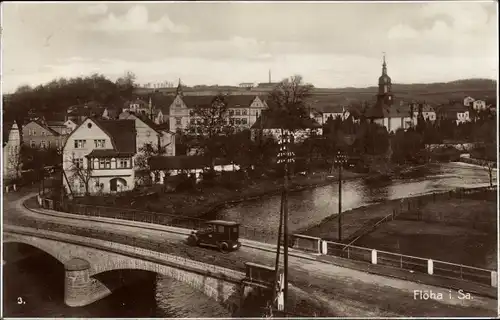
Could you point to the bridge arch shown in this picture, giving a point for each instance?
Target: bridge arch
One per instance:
(225, 289)
(40, 245)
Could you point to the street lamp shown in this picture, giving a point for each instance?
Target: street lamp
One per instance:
(340, 160)
(285, 156)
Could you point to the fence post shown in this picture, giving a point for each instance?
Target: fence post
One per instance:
(319, 246)
(494, 279)
(324, 248)
(430, 266)
(374, 256)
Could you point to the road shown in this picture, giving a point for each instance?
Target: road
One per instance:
(340, 291)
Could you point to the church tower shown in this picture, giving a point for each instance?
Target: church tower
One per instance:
(384, 87)
(179, 89)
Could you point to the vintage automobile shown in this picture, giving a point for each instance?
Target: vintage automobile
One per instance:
(220, 234)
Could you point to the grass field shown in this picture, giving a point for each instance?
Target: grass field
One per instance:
(448, 235)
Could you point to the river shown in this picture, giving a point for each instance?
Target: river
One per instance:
(309, 207)
(39, 279)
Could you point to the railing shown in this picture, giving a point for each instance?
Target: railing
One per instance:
(122, 244)
(408, 206)
(416, 264)
(149, 217)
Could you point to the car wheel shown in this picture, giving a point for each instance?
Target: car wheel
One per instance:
(224, 247)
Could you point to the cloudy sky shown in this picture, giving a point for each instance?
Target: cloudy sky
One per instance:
(330, 44)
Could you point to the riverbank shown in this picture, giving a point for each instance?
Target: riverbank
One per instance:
(209, 200)
(464, 228)
(355, 220)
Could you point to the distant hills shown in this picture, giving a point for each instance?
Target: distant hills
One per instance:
(434, 93)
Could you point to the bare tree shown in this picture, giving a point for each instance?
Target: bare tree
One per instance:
(210, 124)
(81, 171)
(288, 102)
(489, 166)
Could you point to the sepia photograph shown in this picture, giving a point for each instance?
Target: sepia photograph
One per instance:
(239, 159)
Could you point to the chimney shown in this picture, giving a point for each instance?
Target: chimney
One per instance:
(269, 75)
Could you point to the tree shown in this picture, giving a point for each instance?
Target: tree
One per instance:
(145, 153)
(407, 146)
(126, 84)
(288, 102)
(81, 171)
(210, 126)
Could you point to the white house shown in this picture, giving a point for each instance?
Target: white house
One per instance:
(479, 105)
(454, 111)
(98, 157)
(468, 101)
(162, 167)
(147, 132)
(11, 151)
(428, 113)
(270, 127)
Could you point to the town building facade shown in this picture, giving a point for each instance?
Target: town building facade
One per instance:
(98, 157)
(243, 110)
(39, 136)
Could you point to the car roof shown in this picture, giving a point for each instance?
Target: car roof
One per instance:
(223, 222)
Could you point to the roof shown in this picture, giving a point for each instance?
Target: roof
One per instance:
(86, 109)
(162, 102)
(223, 223)
(183, 162)
(138, 100)
(113, 112)
(126, 114)
(239, 101)
(382, 110)
(121, 132)
(52, 131)
(108, 153)
(198, 101)
(177, 162)
(56, 123)
(272, 122)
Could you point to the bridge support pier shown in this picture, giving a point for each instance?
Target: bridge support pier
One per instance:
(79, 288)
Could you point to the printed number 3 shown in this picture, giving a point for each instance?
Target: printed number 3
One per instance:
(20, 300)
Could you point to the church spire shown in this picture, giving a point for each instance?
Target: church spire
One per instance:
(179, 88)
(384, 66)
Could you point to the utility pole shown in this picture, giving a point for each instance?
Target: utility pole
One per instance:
(340, 160)
(285, 156)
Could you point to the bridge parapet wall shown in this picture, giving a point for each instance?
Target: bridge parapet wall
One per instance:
(98, 256)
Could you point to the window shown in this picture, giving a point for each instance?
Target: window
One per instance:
(244, 112)
(178, 121)
(78, 162)
(102, 163)
(220, 229)
(100, 143)
(107, 164)
(79, 144)
(124, 163)
(34, 132)
(237, 112)
(244, 121)
(148, 133)
(33, 144)
(231, 112)
(44, 133)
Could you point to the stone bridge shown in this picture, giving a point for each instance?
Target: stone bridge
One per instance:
(86, 259)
